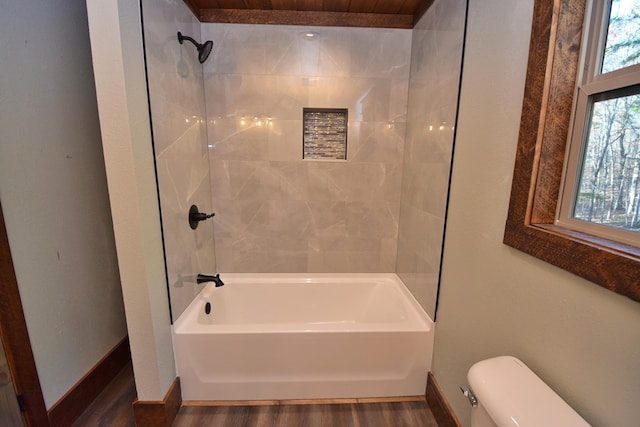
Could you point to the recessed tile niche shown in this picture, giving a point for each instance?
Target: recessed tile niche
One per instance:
(325, 133)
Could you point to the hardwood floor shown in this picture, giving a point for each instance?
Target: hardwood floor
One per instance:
(113, 408)
(396, 414)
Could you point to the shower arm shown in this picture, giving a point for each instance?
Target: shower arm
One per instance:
(182, 38)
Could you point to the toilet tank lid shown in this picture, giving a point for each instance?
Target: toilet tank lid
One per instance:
(515, 396)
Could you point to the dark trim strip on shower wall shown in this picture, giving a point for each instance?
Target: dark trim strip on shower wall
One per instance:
(439, 405)
(70, 406)
(155, 162)
(453, 150)
(159, 413)
(15, 338)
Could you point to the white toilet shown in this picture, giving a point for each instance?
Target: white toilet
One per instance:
(507, 393)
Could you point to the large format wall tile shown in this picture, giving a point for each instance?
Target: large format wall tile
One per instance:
(275, 211)
(180, 141)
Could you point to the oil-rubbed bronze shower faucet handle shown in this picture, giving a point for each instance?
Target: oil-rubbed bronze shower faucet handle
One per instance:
(195, 216)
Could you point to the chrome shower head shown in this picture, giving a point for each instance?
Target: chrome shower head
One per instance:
(204, 49)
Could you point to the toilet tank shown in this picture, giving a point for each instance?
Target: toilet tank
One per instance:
(513, 395)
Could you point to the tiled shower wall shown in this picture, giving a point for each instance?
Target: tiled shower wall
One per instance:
(180, 143)
(274, 211)
(433, 93)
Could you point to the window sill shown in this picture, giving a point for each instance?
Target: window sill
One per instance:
(595, 242)
(609, 264)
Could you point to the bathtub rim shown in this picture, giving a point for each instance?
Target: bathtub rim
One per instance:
(419, 318)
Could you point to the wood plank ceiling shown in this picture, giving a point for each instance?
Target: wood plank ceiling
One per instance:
(343, 13)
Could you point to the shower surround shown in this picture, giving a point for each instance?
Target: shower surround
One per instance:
(274, 211)
(241, 157)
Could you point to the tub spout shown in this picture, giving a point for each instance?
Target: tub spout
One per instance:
(204, 278)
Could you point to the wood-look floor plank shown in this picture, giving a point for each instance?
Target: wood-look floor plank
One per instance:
(398, 414)
(113, 407)
(419, 414)
(327, 415)
(392, 414)
(261, 416)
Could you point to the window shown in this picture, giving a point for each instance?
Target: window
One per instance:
(601, 191)
(532, 223)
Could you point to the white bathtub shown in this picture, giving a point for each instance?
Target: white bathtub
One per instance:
(292, 336)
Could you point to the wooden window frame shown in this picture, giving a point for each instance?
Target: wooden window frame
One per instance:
(554, 55)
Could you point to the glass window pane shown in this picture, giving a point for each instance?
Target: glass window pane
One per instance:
(609, 189)
(622, 47)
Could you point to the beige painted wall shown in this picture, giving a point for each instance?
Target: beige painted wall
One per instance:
(583, 340)
(118, 62)
(54, 192)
